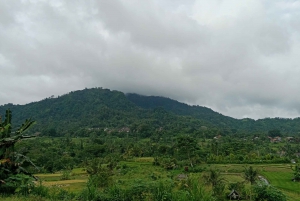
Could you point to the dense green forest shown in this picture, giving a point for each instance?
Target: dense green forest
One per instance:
(116, 146)
(97, 108)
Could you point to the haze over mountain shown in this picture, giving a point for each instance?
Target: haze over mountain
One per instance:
(99, 108)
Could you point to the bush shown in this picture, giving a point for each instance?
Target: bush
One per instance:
(40, 190)
(66, 174)
(169, 163)
(267, 192)
(19, 183)
(101, 179)
(197, 169)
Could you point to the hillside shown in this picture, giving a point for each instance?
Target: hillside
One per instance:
(94, 109)
(199, 112)
(99, 108)
(215, 118)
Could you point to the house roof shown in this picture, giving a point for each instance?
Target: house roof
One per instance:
(233, 191)
(234, 194)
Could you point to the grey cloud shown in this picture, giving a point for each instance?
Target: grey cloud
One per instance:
(239, 60)
(150, 25)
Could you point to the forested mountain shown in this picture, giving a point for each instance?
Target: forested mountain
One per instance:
(208, 115)
(199, 112)
(99, 109)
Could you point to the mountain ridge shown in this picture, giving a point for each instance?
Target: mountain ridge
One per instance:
(101, 108)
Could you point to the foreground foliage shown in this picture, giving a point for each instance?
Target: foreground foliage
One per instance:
(268, 192)
(13, 177)
(138, 179)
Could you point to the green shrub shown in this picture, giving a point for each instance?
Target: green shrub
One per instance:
(66, 174)
(40, 190)
(197, 169)
(267, 192)
(19, 183)
(101, 179)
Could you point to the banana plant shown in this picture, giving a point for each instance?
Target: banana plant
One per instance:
(10, 161)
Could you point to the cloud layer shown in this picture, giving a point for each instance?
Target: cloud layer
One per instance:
(239, 58)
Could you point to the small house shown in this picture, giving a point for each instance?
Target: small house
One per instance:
(233, 195)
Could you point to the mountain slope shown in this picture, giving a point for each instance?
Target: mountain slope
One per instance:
(103, 108)
(95, 108)
(208, 115)
(199, 112)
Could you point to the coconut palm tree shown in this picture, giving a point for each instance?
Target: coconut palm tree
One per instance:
(213, 177)
(250, 175)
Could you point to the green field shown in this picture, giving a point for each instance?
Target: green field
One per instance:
(281, 178)
(141, 170)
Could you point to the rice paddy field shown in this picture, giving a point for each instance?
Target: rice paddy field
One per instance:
(278, 175)
(141, 170)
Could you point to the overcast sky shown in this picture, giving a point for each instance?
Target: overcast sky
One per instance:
(239, 57)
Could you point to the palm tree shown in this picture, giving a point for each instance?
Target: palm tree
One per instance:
(250, 174)
(213, 177)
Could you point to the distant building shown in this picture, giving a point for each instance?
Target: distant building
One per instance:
(275, 139)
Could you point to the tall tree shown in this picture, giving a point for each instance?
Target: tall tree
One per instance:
(213, 177)
(187, 147)
(217, 182)
(296, 173)
(250, 175)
